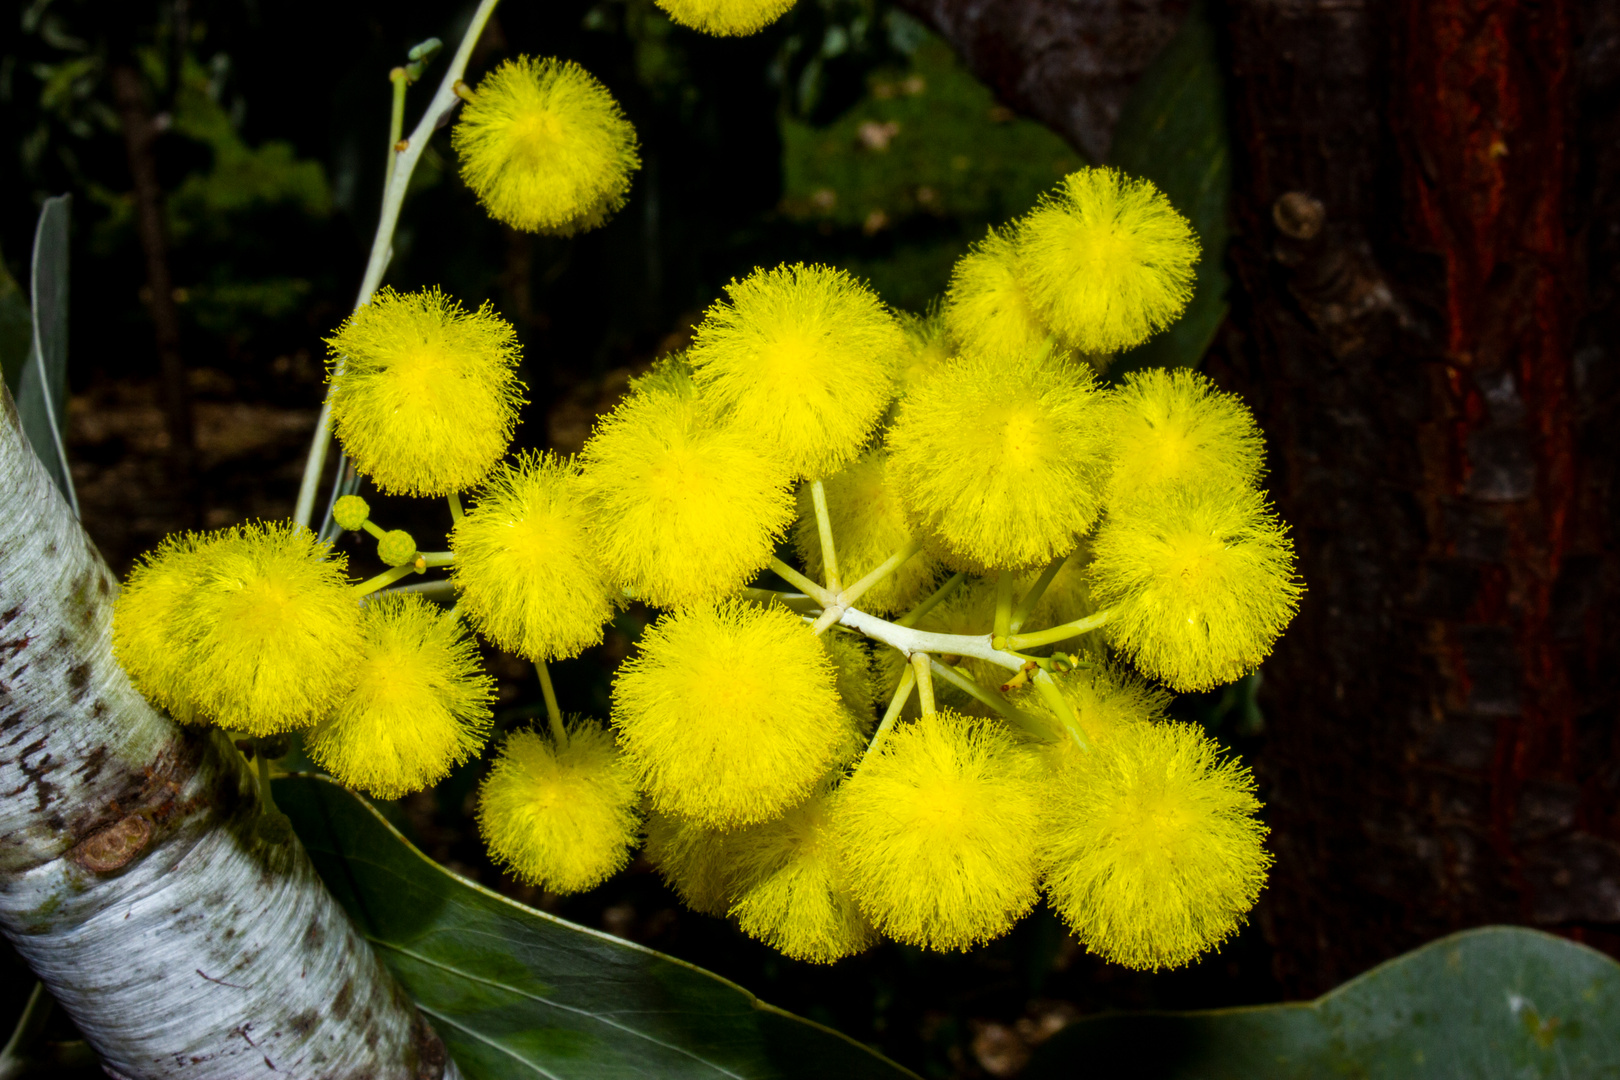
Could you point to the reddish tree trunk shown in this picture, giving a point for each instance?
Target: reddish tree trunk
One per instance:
(1425, 268)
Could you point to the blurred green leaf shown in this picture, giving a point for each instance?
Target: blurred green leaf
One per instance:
(1173, 131)
(927, 141)
(516, 992)
(1500, 1001)
(42, 387)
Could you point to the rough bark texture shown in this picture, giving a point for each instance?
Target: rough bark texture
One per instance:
(135, 878)
(1427, 270)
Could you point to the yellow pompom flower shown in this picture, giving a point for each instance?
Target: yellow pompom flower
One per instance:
(149, 621)
(938, 831)
(1153, 854)
(869, 525)
(794, 897)
(928, 347)
(544, 146)
(424, 394)
(987, 307)
(527, 573)
(1198, 583)
(803, 359)
(728, 713)
(561, 817)
(725, 18)
(670, 374)
(998, 461)
(1172, 426)
(856, 685)
(685, 511)
(1107, 260)
(1105, 697)
(271, 632)
(419, 704)
(694, 861)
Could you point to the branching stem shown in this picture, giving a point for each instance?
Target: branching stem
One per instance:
(793, 577)
(933, 601)
(1055, 634)
(559, 735)
(922, 664)
(403, 164)
(902, 694)
(1021, 613)
(829, 554)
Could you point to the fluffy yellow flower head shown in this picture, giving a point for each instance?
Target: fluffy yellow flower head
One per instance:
(938, 832)
(1172, 426)
(424, 395)
(271, 632)
(869, 524)
(725, 18)
(1199, 582)
(528, 575)
(149, 621)
(1153, 853)
(803, 359)
(685, 511)
(987, 308)
(1107, 260)
(729, 713)
(419, 705)
(928, 347)
(545, 147)
(563, 818)
(696, 862)
(1104, 697)
(998, 460)
(795, 898)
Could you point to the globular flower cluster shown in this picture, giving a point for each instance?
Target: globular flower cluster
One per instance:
(1033, 534)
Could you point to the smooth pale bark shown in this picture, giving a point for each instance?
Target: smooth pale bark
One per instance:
(134, 878)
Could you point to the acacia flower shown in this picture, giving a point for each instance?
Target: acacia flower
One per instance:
(794, 896)
(544, 146)
(1172, 426)
(424, 394)
(683, 510)
(803, 360)
(1153, 854)
(1106, 260)
(939, 830)
(998, 460)
(729, 713)
(1198, 581)
(563, 816)
(269, 634)
(987, 307)
(725, 18)
(528, 576)
(419, 702)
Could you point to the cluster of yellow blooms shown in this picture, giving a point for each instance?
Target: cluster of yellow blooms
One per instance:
(965, 475)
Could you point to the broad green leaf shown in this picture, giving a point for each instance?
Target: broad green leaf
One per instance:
(1500, 1001)
(42, 389)
(1173, 131)
(517, 993)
